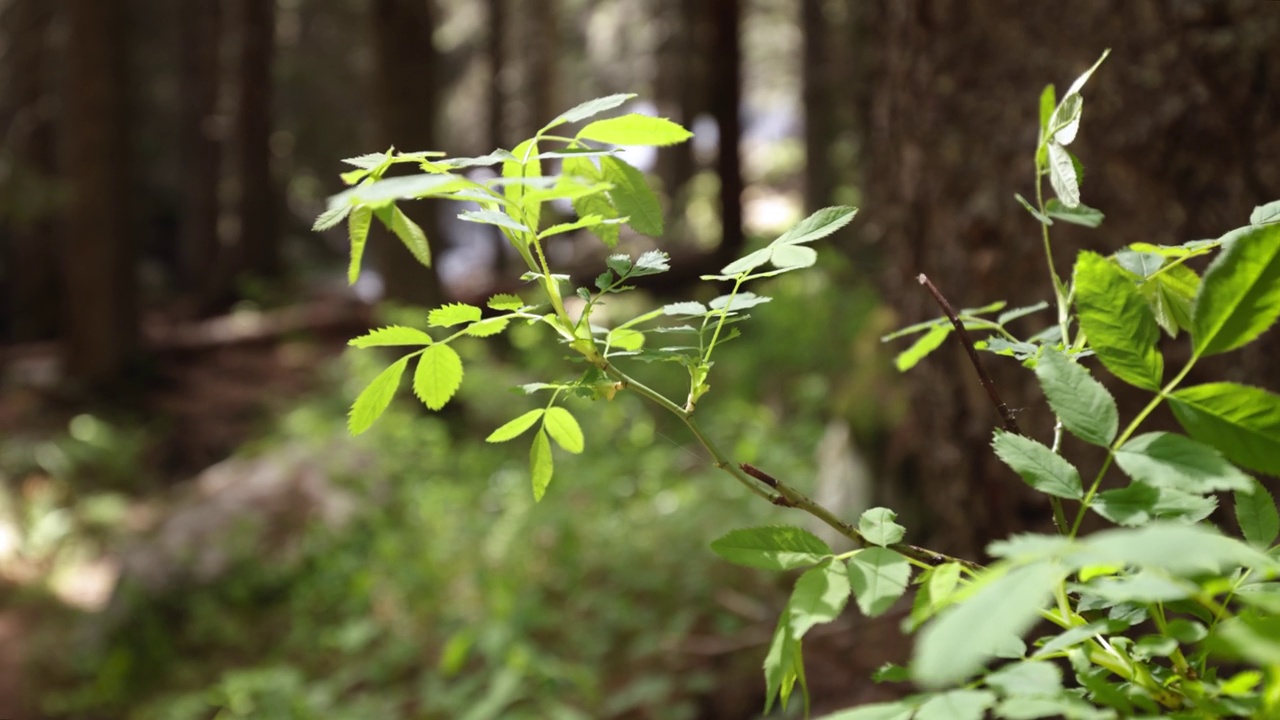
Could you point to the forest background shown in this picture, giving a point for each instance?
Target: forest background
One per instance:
(184, 524)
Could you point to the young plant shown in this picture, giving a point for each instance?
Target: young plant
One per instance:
(1143, 611)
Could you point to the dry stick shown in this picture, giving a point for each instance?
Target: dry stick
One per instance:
(1010, 423)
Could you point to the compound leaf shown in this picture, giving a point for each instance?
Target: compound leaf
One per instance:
(635, 129)
(1240, 295)
(819, 597)
(632, 196)
(1257, 516)
(541, 466)
(773, 547)
(878, 576)
(1083, 405)
(1114, 316)
(438, 376)
(515, 427)
(1241, 421)
(374, 399)
(564, 429)
(1040, 467)
(358, 233)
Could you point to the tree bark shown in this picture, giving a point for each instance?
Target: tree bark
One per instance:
(726, 101)
(406, 97)
(819, 106)
(98, 259)
(1174, 126)
(259, 222)
(30, 261)
(201, 150)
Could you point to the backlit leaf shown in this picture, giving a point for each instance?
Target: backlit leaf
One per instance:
(540, 464)
(1083, 405)
(563, 427)
(453, 314)
(632, 196)
(1241, 421)
(489, 327)
(819, 597)
(635, 129)
(879, 576)
(923, 345)
(1039, 466)
(358, 234)
(818, 225)
(587, 109)
(1240, 295)
(1164, 459)
(517, 193)
(1170, 295)
(1115, 318)
(391, 336)
(505, 301)
(774, 547)
(493, 217)
(375, 398)
(515, 427)
(438, 376)
(408, 232)
(878, 527)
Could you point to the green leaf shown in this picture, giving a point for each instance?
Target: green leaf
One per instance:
(635, 129)
(626, 339)
(1164, 459)
(651, 262)
(516, 427)
(896, 710)
(561, 228)
(406, 187)
(747, 263)
(1240, 295)
(453, 314)
(1178, 548)
(923, 345)
(889, 672)
(686, 308)
(956, 644)
(564, 429)
(593, 205)
(517, 193)
(1170, 294)
(505, 301)
(488, 328)
(1009, 316)
(587, 109)
(780, 671)
(1041, 217)
(1034, 677)
(774, 547)
(540, 464)
(879, 576)
(742, 300)
(793, 257)
(1062, 175)
(358, 233)
(1143, 587)
(1251, 637)
(391, 336)
(438, 376)
(375, 398)
(957, 705)
(1242, 422)
(1140, 503)
(1039, 466)
(632, 197)
(878, 527)
(1257, 516)
(334, 214)
(818, 225)
(1115, 318)
(493, 217)
(819, 597)
(1065, 121)
(407, 231)
(1083, 405)
(1048, 102)
(1265, 214)
(1081, 214)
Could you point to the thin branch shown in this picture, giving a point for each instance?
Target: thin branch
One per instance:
(1010, 423)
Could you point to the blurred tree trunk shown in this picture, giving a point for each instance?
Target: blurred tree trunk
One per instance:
(680, 88)
(820, 104)
(726, 101)
(495, 45)
(406, 93)
(99, 256)
(542, 48)
(1174, 126)
(31, 260)
(259, 224)
(201, 148)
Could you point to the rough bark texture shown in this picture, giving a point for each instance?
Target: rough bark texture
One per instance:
(726, 101)
(29, 265)
(259, 231)
(1177, 127)
(98, 253)
(406, 93)
(820, 104)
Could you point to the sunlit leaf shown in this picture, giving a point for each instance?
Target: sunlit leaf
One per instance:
(489, 327)
(1241, 421)
(819, 597)
(505, 301)
(438, 376)
(1240, 295)
(453, 314)
(635, 129)
(541, 466)
(1164, 459)
(1120, 327)
(587, 109)
(632, 196)
(774, 547)
(1062, 175)
(1265, 214)
(879, 577)
(1083, 405)
(563, 427)
(407, 231)
(515, 427)
(1257, 516)
(1039, 466)
(374, 399)
(391, 336)
(878, 527)
(923, 345)
(358, 234)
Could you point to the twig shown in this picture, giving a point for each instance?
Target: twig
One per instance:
(1010, 423)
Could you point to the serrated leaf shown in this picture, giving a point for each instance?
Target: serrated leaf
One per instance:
(563, 427)
(878, 527)
(651, 262)
(515, 427)
(330, 218)
(453, 314)
(587, 109)
(1239, 297)
(405, 187)
(747, 262)
(1142, 587)
(541, 466)
(879, 576)
(1241, 421)
(819, 597)
(1115, 318)
(1256, 514)
(358, 234)
(686, 308)
(1039, 466)
(956, 644)
(1170, 295)
(505, 301)
(390, 336)
(1140, 503)
(517, 192)
(367, 161)
(1081, 214)
(635, 129)
(632, 197)
(1062, 175)
(780, 671)
(1178, 548)
(923, 345)
(438, 376)
(1265, 214)
(374, 399)
(598, 204)
(561, 228)
(408, 232)
(1083, 405)
(488, 328)
(493, 217)
(818, 225)
(773, 547)
(1164, 459)
(741, 301)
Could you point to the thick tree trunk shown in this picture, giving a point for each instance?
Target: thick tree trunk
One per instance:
(820, 103)
(259, 223)
(542, 46)
(1174, 126)
(726, 102)
(99, 256)
(679, 90)
(201, 150)
(406, 96)
(30, 262)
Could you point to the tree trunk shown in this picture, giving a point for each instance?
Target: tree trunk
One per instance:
(726, 101)
(31, 261)
(679, 89)
(99, 256)
(820, 102)
(259, 225)
(201, 149)
(542, 47)
(406, 96)
(1174, 125)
